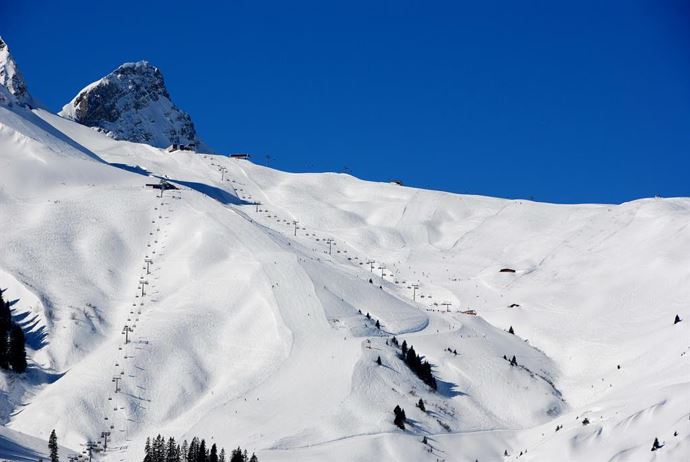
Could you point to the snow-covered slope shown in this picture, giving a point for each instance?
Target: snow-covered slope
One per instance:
(252, 332)
(11, 80)
(131, 103)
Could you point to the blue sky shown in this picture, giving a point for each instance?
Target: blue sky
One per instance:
(585, 101)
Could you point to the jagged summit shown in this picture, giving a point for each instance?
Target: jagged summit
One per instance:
(13, 86)
(131, 103)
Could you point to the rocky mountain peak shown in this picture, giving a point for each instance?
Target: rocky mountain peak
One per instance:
(132, 103)
(14, 88)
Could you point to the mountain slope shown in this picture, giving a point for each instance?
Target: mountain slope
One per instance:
(250, 329)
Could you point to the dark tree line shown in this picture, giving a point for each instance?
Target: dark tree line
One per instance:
(12, 341)
(159, 450)
(418, 365)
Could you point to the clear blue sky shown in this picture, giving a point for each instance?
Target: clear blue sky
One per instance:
(583, 101)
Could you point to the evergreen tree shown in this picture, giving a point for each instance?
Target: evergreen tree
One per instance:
(5, 325)
(420, 405)
(202, 453)
(254, 458)
(159, 449)
(513, 361)
(411, 358)
(400, 418)
(4, 345)
(213, 456)
(656, 444)
(236, 455)
(148, 457)
(221, 457)
(403, 348)
(53, 446)
(17, 350)
(511, 331)
(5, 312)
(378, 360)
(193, 450)
(171, 451)
(184, 451)
(378, 324)
(677, 320)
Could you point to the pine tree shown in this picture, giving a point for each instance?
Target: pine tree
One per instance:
(254, 458)
(202, 453)
(511, 331)
(378, 360)
(53, 446)
(4, 344)
(420, 405)
(400, 418)
(5, 326)
(159, 453)
(656, 444)
(221, 457)
(677, 320)
(213, 456)
(193, 450)
(411, 357)
(378, 324)
(236, 455)
(184, 451)
(513, 361)
(171, 451)
(403, 348)
(148, 457)
(17, 349)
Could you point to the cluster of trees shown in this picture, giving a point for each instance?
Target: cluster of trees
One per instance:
(159, 450)
(419, 366)
(378, 324)
(12, 341)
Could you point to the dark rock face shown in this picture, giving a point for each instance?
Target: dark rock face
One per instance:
(133, 104)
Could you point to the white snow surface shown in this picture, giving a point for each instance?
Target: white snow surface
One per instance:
(250, 332)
